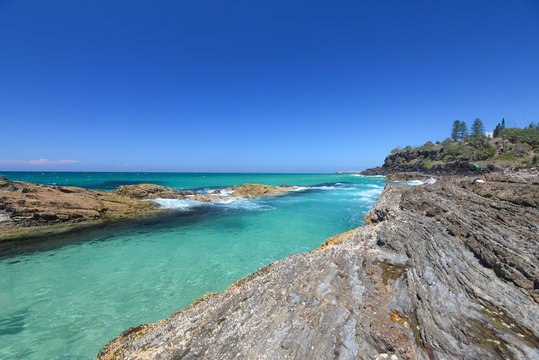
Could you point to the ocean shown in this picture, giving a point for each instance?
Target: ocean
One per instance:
(66, 297)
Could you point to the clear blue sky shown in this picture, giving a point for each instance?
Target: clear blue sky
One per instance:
(291, 86)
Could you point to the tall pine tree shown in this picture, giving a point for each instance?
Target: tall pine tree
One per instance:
(459, 131)
(455, 130)
(463, 130)
(477, 127)
(499, 128)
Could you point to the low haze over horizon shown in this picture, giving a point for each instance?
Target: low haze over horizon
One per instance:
(255, 86)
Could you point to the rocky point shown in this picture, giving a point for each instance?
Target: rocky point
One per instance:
(444, 270)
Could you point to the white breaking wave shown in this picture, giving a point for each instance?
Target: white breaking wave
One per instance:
(248, 204)
(417, 182)
(369, 176)
(332, 187)
(177, 204)
(370, 194)
(224, 198)
(231, 202)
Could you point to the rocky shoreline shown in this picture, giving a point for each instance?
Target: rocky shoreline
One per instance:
(444, 270)
(457, 168)
(30, 210)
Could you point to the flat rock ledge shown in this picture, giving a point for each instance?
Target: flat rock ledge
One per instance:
(33, 210)
(151, 191)
(28, 209)
(447, 270)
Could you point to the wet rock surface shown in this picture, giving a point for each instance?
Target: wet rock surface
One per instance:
(447, 270)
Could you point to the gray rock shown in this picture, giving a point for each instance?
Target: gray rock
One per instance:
(439, 273)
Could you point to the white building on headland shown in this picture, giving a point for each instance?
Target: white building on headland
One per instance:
(489, 134)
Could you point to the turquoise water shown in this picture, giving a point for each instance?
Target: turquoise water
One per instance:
(67, 297)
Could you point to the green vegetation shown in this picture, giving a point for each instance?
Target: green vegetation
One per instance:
(507, 156)
(477, 127)
(460, 130)
(510, 147)
(499, 128)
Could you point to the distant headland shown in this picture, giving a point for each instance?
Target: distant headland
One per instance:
(477, 152)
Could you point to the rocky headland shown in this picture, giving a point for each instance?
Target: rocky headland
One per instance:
(513, 148)
(31, 210)
(444, 270)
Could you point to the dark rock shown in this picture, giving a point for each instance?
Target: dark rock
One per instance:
(406, 176)
(375, 171)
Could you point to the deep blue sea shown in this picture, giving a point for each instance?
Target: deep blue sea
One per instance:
(66, 297)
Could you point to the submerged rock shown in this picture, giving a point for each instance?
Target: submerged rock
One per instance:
(447, 270)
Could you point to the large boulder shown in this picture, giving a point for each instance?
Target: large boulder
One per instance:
(149, 191)
(29, 209)
(256, 190)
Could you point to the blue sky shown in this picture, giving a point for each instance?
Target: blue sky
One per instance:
(261, 86)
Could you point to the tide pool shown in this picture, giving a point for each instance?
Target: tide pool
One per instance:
(66, 298)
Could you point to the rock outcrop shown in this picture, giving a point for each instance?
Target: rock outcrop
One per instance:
(256, 190)
(28, 209)
(462, 168)
(447, 270)
(151, 191)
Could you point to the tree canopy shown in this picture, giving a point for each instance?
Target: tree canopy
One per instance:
(499, 128)
(477, 127)
(459, 131)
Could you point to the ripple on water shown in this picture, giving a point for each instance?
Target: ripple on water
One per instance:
(66, 298)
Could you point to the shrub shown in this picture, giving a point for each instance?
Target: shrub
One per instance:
(447, 141)
(399, 160)
(507, 156)
(485, 153)
(396, 150)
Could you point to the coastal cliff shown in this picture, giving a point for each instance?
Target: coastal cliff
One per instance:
(444, 270)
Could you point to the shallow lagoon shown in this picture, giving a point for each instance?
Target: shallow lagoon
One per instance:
(66, 298)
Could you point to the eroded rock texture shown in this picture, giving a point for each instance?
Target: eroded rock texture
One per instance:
(151, 191)
(27, 208)
(445, 271)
